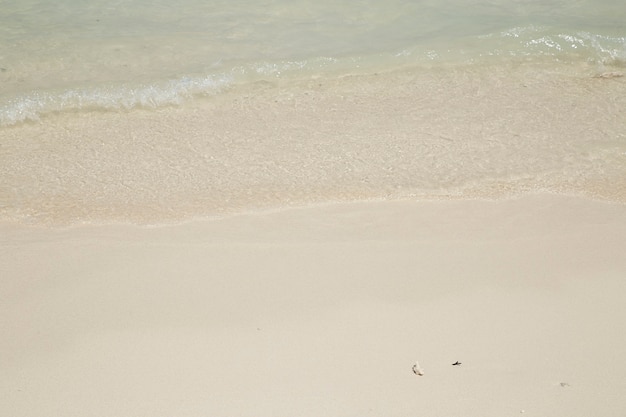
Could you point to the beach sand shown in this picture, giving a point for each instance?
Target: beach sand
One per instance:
(492, 131)
(322, 311)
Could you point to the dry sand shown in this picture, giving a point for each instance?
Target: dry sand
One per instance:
(322, 311)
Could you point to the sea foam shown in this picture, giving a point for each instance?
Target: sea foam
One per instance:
(32, 106)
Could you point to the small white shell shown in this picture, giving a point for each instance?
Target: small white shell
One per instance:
(417, 370)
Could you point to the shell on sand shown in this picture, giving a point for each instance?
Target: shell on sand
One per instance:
(417, 370)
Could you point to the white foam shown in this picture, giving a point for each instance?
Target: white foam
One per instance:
(32, 106)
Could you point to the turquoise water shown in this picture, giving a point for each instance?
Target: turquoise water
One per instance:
(70, 54)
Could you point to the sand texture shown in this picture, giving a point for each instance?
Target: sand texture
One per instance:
(322, 311)
(493, 131)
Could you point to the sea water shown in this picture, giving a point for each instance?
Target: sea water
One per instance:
(68, 54)
(63, 60)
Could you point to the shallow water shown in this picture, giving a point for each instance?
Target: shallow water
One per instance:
(73, 55)
(152, 112)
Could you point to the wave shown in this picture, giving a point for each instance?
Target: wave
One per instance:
(541, 41)
(32, 106)
(528, 42)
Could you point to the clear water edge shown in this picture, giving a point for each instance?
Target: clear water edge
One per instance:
(105, 109)
(421, 135)
(594, 55)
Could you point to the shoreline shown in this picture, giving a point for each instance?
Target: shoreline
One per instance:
(322, 311)
(485, 134)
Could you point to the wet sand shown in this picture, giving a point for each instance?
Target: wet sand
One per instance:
(444, 133)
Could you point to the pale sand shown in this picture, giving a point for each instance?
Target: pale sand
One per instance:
(322, 311)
